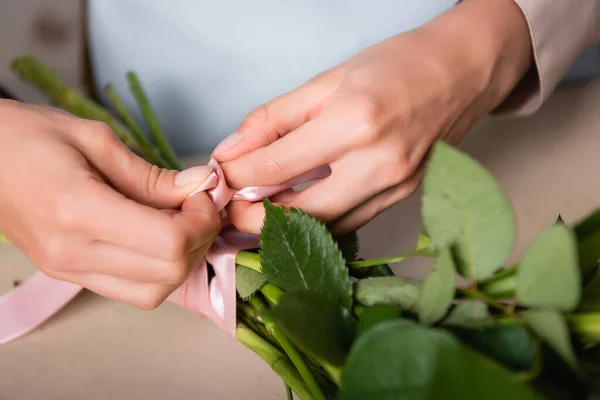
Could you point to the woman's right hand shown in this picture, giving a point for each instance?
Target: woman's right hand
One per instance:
(87, 210)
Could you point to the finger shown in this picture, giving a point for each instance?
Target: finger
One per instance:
(132, 175)
(146, 296)
(109, 259)
(346, 188)
(199, 220)
(268, 122)
(364, 213)
(316, 143)
(108, 216)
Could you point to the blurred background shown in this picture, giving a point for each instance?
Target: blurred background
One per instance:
(50, 30)
(95, 349)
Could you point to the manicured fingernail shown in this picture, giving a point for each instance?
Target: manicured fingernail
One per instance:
(228, 143)
(192, 175)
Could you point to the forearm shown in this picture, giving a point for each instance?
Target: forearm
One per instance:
(491, 41)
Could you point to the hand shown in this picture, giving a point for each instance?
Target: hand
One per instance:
(374, 117)
(87, 210)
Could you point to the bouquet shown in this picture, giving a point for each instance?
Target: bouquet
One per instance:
(333, 325)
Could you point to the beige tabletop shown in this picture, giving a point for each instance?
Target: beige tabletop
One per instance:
(97, 349)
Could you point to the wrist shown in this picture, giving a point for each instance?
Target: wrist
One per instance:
(490, 41)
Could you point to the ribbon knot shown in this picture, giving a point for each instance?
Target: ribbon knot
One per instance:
(34, 301)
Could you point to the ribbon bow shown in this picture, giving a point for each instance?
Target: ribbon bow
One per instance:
(33, 302)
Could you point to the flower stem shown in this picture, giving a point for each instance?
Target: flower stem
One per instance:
(389, 260)
(249, 260)
(278, 361)
(289, 348)
(476, 294)
(48, 82)
(586, 324)
(288, 390)
(143, 143)
(152, 120)
(501, 285)
(272, 293)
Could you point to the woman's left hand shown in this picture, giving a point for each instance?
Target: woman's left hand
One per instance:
(374, 118)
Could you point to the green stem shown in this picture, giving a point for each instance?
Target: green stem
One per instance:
(288, 390)
(152, 120)
(278, 361)
(586, 324)
(143, 143)
(249, 311)
(334, 372)
(289, 348)
(389, 260)
(272, 293)
(48, 82)
(476, 294)
(249, 260)
(501, 285)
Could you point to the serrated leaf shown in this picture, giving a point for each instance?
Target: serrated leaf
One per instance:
(299, 254)
(349, 246)
(507, 343)
(402, 360)
(551, 327)
(248, 281)
(438, 290)
(472, 314)
(316, 323)
(465, 207)
(387, 290)
(548, 276)
(372, 316)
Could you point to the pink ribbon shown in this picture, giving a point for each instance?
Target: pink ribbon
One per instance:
(37, 299)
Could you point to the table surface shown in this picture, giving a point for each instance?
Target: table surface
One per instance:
(98, 349)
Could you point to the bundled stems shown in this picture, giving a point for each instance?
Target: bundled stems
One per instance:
(289, 349)
(73, 101)
(143, 144)
(278, 361)
(152, 120)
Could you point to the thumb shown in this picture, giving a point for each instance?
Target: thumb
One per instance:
(137, 179)
(273, 120)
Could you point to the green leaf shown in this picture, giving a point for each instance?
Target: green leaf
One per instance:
(549, 276)
(3, 239)
(551, 327)
(390, 290)
(472, 314)
(438, 290)
(507, 343)
(425, 245)
(316, 323)
(402, 360)
(372, 316)
(464, 207)
(299, 254)
(248, 281)
(349, 246)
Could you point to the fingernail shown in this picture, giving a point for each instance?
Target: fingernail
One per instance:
(192, 175)
(228, 143)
